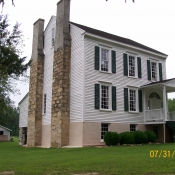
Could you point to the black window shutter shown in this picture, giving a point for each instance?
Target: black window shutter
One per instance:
(97, 57)
(97, 96)
(149, 69)
(126, 99)
(113, 61)
(114, 105)
(139, 67)
(125, 64)
(160, 72)
(140, 101)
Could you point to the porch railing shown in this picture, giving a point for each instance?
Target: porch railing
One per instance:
(154, 115)
(171, 116)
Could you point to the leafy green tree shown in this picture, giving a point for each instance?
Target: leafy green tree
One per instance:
(171, 105)
(10, 119)
(12, 64)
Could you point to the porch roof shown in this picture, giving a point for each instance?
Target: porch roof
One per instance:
(169, 83)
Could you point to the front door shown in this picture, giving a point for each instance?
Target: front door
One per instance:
(155, 103)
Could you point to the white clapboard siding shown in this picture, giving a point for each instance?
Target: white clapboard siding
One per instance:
(48, 70)
(23, 114)
(76, 74)
(119, 80)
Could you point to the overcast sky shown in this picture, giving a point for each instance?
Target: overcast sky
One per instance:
(149, 22)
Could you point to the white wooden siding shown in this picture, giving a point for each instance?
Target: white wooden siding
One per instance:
(48, 70)
(23, 114)
(76, 74)
(119, 80)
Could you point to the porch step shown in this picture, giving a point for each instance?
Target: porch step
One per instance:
(171, 125)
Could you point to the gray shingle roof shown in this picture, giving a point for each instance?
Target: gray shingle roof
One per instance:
(116, 38)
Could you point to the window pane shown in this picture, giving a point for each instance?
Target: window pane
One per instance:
(132, 128)
(104, 129)
(132, 66)
(153, 71)
(104, 97)
(132, 101)
(104, 60)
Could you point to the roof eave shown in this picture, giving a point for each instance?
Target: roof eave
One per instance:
(163, 56)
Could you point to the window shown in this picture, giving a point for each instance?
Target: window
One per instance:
(53, 37)
(131, 66)
(1, 132)
(132, 100)
(153, 71)
(104, 129)
(44, 104)
(104, 60)
(132, 128)
(105, 96)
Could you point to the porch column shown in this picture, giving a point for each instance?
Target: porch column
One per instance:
(165, 103)
(164, 134)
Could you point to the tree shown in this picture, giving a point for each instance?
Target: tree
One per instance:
(171, 105)
(12, 64)
(10, 119)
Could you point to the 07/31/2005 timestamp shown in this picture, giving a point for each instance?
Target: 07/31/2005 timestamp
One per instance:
(162, 153)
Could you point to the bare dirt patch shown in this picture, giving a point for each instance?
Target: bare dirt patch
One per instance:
(7, 173)
(88, 174)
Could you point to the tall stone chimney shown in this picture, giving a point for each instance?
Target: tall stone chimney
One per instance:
(34, 131)
(61, 83)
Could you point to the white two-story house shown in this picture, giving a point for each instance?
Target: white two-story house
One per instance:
(116, 84)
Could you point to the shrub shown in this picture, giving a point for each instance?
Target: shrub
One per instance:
(12, 139)
(126, 138)
(151, 136)
(140, 137)
(111, 138)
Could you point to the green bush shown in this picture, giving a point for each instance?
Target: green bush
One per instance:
(151, 136)
(111, 138)
(126, 138)
(140, 137)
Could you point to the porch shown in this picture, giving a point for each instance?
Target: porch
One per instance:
(155, 101)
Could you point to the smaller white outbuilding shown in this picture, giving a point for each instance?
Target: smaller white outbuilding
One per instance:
(4, 134)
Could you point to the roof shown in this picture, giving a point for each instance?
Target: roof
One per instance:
(5, 128)
(116, 38)
(23, 98)
(158, 82)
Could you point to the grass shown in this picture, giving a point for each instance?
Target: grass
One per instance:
(120, 160)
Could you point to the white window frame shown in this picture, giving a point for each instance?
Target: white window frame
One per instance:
(157, 70)
(103, 128)
(44, 103)
(109, 85)
(133, 127)
(109, 59)
(137, 105)
(136, 66)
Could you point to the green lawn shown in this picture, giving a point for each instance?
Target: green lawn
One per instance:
(105, 161)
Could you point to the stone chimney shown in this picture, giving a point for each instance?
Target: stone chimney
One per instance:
(61, 83)
(34, 131)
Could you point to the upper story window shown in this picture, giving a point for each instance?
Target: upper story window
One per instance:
(105, 59)
(53, 37)
(154, 70)
(132, 65)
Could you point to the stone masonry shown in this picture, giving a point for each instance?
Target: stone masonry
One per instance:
(61, 83)
(34, 131)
